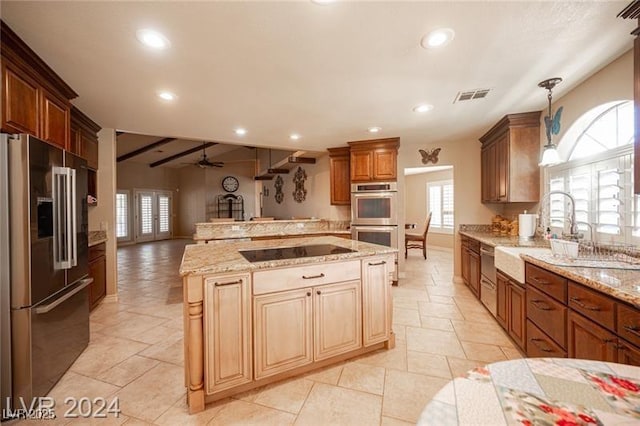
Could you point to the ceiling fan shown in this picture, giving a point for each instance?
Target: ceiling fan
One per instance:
(204, 162)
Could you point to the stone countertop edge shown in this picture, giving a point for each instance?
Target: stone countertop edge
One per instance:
(223, 257)
(274, 234)
(618, 283)
(263, 222)
(96, 237)
(493, 239)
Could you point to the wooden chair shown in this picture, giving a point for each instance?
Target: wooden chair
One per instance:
(417, 241)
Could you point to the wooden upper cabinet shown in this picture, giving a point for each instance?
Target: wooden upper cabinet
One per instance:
(35, 100)
(509, 159)
(84, 138)
(339, 176)
(374, 160)
(54, 120)
(20, 104)
(361, 166)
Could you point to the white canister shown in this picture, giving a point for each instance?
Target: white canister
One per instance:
(526, 225)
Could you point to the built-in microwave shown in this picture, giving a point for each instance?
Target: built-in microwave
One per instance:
(374, 203)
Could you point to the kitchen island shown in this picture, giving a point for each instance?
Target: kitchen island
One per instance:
(260, 311)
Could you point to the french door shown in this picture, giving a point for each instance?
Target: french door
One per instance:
(153, 215)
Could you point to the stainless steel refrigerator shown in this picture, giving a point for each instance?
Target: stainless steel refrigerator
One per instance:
(44, 311)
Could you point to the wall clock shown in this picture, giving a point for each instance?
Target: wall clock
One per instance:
(230, 184)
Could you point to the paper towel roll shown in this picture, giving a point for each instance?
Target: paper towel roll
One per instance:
(526, 225)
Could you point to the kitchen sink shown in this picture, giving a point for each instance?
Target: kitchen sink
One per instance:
(508, 260)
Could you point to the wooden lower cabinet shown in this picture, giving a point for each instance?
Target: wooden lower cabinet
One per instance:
(337, 314)
(628, 354)
(227, 332)
(283, 327)
(587, 340)
(474, 273)
(376, 296)
(502, 282)
(97, 271)
(516, 311)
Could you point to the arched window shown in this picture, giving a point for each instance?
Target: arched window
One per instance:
(599, 175)
(610, 129)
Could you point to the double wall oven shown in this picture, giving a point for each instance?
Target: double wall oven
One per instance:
(374, 213)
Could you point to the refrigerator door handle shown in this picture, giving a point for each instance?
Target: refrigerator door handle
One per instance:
(50, 306)
(64, 219)
(73, 219)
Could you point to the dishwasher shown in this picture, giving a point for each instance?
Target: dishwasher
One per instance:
(488, 288)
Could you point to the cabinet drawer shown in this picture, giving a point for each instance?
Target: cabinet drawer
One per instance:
(474, 245)
(548, 282)
(595, 306)
(547, 314)
(628, 324)
(97, 251)
(305, 276)
(541, 345)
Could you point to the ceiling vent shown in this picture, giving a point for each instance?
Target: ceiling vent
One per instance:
(471, 94)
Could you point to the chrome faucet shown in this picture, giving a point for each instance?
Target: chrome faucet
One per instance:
(573, 225)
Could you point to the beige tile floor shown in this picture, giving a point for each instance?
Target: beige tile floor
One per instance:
(136, 354)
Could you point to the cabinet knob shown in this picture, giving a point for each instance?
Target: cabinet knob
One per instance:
(308, 293)
(318, 292)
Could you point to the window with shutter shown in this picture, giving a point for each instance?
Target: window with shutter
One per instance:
(599, 175)
(440, 204)
(122, 216)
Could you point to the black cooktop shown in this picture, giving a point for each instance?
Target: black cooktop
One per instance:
(312, 250)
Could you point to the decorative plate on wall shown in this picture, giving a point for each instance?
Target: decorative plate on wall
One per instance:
(279, 194)
(300, 194)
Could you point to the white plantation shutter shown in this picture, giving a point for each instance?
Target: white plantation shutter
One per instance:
(163, 213)
(447, 206)
(556, 204)
(435, 203)
(440, 204)
(122, 215)
(609, 214)
(146, 214)
(580, 189)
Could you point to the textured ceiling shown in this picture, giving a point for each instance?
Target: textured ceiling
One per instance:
(327, 72)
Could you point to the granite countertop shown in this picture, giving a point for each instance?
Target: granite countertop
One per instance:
(619, 283)
(539, 391)
(97, 237)
(210, 231)
(492, 239)
(223, 256)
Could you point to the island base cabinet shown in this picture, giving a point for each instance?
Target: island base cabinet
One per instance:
(628, 354)
(283, 331)
(227, 332)
(540, 345)
(376, 296)
(587, 340)
(337, 319)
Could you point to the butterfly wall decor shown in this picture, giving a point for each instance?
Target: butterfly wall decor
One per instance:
(552, 124)
(430, 156)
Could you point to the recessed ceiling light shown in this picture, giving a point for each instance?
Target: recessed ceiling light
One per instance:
(374, 129)
(152, 39)
(423, 108)
(166, 96)
(437, 38)
(240, 131)
(294, 136)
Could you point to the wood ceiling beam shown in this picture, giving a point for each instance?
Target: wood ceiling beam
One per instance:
(145, 149)
(182, 154)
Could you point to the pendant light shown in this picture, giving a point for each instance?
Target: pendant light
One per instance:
(550, 154)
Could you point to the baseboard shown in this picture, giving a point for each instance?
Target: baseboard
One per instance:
(110, 298)
(457, 279)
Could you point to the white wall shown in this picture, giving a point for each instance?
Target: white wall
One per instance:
(416, 206)
(104, 214)
(318, 200)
